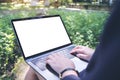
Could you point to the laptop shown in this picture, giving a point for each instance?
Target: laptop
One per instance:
(39, 37)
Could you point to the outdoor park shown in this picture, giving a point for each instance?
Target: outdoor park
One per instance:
(84, 20)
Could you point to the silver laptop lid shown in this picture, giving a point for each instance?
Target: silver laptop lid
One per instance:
(40, 34)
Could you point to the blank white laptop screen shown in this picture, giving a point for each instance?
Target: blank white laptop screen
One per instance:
(41, 34)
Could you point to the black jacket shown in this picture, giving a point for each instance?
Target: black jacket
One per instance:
(105, 63)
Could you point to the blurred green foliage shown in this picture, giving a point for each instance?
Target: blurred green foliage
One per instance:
(9, 51)
(84, 27)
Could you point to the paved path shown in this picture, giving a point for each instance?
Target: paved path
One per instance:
(6, 12)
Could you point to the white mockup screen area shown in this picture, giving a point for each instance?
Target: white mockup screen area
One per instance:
(39, 35)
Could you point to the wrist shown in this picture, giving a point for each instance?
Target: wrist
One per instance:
(68, 71)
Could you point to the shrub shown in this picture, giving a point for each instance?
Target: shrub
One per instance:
(8, 48)
(84, 27)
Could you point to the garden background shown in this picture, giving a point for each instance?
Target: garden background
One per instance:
(84, 27)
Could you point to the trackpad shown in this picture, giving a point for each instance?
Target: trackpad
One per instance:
(79, 64)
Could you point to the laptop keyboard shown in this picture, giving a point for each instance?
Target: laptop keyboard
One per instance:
(40, 61)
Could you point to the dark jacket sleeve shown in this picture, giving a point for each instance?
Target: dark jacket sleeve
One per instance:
(105, 63)
(71, 77)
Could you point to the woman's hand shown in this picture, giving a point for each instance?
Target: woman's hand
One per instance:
(59, 62)
(83, 52)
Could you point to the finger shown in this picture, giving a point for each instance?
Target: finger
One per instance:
(48, 61)
(77, 51)
(82, 56)
(50, 57)
(77, 47)
(74, 50)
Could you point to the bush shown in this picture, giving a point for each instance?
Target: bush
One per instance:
(84, 27)
(8, 48)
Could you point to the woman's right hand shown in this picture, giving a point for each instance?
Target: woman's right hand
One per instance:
(83, 52)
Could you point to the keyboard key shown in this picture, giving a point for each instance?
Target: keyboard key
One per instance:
(41, 65)
(40, 61)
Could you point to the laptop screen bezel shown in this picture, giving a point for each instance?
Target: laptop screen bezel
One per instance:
(19, 44)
